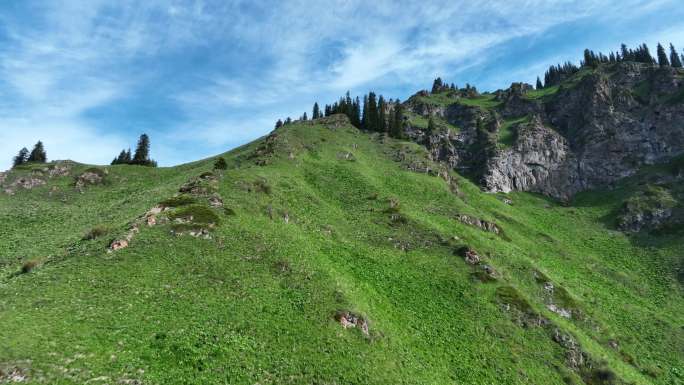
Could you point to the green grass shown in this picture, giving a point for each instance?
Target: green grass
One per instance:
(542, 93)
(484, 101)
(507, 132)
(257, 302)
(420, 121)
(439, 99)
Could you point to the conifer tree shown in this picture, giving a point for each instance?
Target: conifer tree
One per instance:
(539, 84)
(288, 120)
(304, 117)
(437, 85)
(675, 60)
(38, 154)
(625, 53)
(142, 152)
(316, 112)
(372, 124)
(21, 158)
(382, 118)
(397, 121)
(662, 56)
(278, 124)
(121, 159)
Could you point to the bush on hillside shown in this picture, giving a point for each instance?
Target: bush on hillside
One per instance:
(220, 164)
(196, 214)
(95, 233)
(29, 266)
(178, 201)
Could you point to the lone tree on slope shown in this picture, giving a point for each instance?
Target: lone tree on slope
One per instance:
(220, 164)
(316, 111)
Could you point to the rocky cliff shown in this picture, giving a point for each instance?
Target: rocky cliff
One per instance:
(598, 126)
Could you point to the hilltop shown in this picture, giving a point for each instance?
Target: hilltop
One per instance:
(326, 254)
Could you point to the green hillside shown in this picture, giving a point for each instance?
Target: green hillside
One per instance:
(324, 226)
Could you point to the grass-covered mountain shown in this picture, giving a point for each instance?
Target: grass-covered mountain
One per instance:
(324, 254)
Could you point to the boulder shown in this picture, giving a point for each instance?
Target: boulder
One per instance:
(118, 245)
(351, 320)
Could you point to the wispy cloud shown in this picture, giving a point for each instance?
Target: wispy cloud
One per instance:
(203, 75)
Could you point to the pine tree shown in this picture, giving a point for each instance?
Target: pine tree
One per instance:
(372, 124)
(397, 121)
(539, 84)
(21, 158)
(675, 60)
(437, 85)
(316, 112)
(626, 54)
(278, 124)
(304, 117)
(288, 120)
(382, 118)
(38, 154)
(121, 159)
(662, 57)
(142, 152)
(220, 163)
(128, 158)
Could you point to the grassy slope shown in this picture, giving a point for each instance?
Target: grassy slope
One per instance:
(256, 304)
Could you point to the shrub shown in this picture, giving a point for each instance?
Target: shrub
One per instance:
(177, 201)
(261, 185)
(95, 233)
(29, 266)
(510, 295)
(600, 377)
(196, 214)
(220, 164)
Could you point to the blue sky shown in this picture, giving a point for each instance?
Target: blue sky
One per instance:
(201, 77)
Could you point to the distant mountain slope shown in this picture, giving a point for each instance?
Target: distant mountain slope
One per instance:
(327, 255)
(593, 128)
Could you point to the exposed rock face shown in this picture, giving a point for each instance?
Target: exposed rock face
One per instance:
(540, 161)
(596, 129)
(89, 178)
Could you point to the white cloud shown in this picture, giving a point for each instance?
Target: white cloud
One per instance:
(79, 55)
